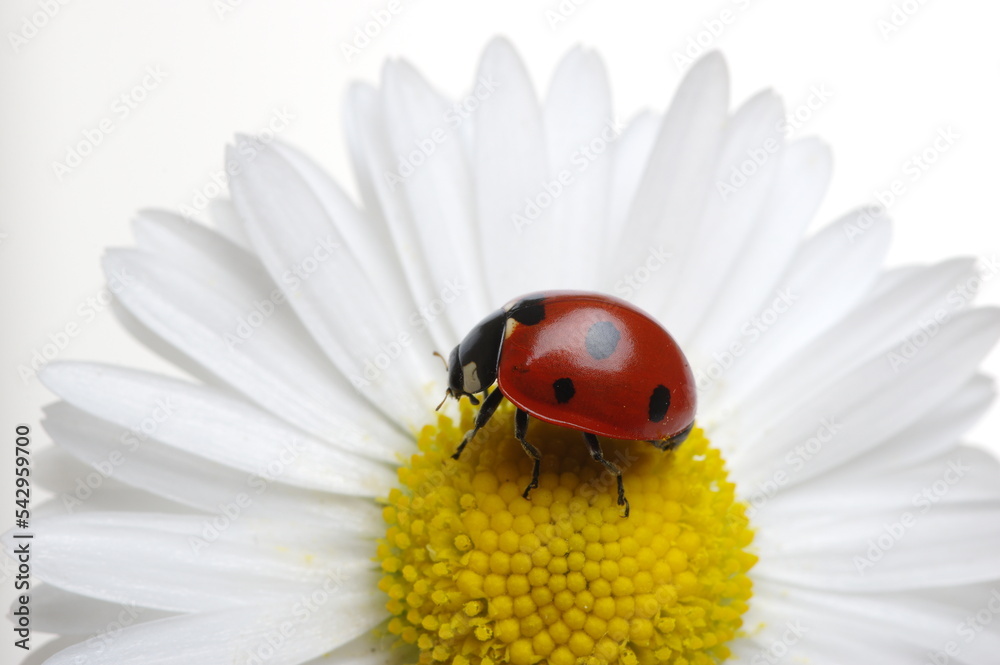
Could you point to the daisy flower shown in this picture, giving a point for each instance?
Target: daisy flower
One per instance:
(295, 501)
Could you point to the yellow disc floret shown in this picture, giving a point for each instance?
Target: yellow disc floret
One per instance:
(478, 575)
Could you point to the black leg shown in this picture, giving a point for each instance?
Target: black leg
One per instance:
(672, 442)
(598, 455)
(666, 445)
(520, 429)
(489, 406)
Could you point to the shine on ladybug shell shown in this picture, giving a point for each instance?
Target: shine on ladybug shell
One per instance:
(595, 363)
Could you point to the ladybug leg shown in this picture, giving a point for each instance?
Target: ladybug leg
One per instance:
(666, 445)
(672, 442)
(520, 429)
(486, 411)
(598, 455)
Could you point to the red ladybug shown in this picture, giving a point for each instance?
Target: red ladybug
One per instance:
(585, 361)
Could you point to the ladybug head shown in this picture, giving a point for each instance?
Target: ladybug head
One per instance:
(472, 365)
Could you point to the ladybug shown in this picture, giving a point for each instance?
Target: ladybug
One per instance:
(581, 360)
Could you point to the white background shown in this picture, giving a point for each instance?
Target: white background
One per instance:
(229, 66)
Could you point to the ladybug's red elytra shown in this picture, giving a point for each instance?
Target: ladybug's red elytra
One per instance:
(582, 360)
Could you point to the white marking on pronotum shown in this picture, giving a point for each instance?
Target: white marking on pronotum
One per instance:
(470, 378)
(509, 328)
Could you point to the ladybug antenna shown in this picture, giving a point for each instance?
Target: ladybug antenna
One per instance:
(447, 394)
(445, 363)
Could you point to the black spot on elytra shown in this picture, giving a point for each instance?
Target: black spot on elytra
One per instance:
(602, 340)
(659, 403)
(529, 312)
(564, 390)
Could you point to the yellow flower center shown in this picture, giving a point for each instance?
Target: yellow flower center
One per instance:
(478, 575)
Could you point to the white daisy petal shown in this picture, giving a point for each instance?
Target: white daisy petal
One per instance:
(630, 154)
(194, 481)
(190, 563)
(368, 649)
(893, 277)
(678, 177)
(380, 177)
(884, 550)
(888, 315)
(511, 168)
(77, 486)
(166, 350)
(729, 214)
(799, 184)
(271, 364)
(808, 625)
(436, 188)
(377, 166)
(206, 422)
(306, 255)
(365, 234)
(227, 222)
(933, 434)
(971, 611)
(814, 293)
(960, 475)
(284, 633)
(59, 611)
(266, 321)
(872, 403)
(363, 122)
(40, 654)
(816, 637)
(56, 470)
(196, 248)
(580, 131)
